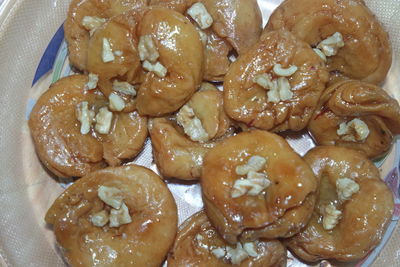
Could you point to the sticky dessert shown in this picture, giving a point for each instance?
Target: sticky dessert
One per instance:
(199, 245)
(172, 77)
(113, 216)
(276, 84)
(353, 209)
(181, 141)
(356, 115)
(75, 132)
(251, 181)
(84, 17)
(113, 55)
(346, 34)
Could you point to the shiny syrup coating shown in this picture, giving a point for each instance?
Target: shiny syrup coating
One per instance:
(175, 154)
(190, 252)
(346, 100)
(216, 57)
(120, 32)
(247, 102)
(56, 131)
(181, 53)
(143, 242)
(236, 26)
(77, 36)
(367, 53)
(365, 216)
(239, 22)
(292, 181)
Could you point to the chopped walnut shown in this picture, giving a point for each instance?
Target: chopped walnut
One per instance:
(259, 182)
(119, 213)
(251, 187)
(255, 182)
(285, 92)
(120, 216)
(192, 125)
(91, 23)
(84, 116)
(103, 121)
(331, 45)
(284, 72)
(255, 163)
(147, 49)
(116, 102)
(278, 89)
(124, 88)
(264, 80)
(110, 195)
(354, 130)
(157, 68)
(93, 79)
(107, 53)
(199, 13)
(331, 217)
(345, 188)
(100, 218)
(236, 255)
(219, 252)
(251, 249)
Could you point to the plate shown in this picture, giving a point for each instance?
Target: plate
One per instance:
(33, 55)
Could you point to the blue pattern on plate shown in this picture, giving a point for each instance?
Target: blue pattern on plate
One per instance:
(50, 54)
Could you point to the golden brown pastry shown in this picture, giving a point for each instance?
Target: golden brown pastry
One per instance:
(175, 155)
(70, 147)
(253, 183)
(121, 63)
(180, 53)
(216, 57)
(77, 30)
(276, 84)
(123, 216)
(199, 245)
(237, 21)
(180, 142)
(353, 209)
(235, 25)
(356, 45)
(356, 115)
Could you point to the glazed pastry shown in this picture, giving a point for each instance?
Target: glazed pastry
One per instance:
(78, 29)
(199, 245)
(353, 209)
(113, 216)
(68, 141)
(237, 21)
(175, 64)
(356, 115)
(216, 57)
(114, 57)
(253, 182)
(276, 84)
(233, 25)
(180, 142)
(348, 34)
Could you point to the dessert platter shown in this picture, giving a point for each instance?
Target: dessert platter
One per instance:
(200, 133)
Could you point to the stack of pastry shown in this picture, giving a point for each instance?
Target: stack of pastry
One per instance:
(215, 93)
